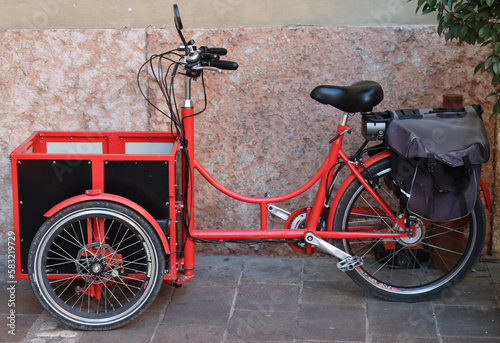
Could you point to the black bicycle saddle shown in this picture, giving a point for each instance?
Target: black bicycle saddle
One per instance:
(359, 97)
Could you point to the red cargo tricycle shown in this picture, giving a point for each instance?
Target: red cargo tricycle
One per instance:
(102, 219)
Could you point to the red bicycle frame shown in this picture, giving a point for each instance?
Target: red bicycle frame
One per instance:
(88, 171)
(264, 233)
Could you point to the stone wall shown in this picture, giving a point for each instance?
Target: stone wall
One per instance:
(261, 131)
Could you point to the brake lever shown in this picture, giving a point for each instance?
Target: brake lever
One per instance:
(209, 68)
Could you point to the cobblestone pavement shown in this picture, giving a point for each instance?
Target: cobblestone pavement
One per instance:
(264, 299)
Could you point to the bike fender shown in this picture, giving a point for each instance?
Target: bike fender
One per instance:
(486, 195)
(372, 160)
(115, 198)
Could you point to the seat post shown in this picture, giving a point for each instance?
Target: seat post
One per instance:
(346, 118)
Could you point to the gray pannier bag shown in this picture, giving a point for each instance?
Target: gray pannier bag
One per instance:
(437, 157)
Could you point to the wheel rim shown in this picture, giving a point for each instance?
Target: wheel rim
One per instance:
(411, 266)
(95, 267)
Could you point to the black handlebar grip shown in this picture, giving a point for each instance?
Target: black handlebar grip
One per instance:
(209, 57)
(226, 65)
(217, 51)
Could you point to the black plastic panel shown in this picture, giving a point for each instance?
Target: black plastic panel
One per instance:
(144, 182)
(41, 185)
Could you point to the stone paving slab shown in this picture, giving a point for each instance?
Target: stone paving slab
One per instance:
(188, 333)
(261, 326)
(333, 293)
(388, 319)
(327, 322)
(279, 300)
(24, 322)
(468, 321)
(262, 297)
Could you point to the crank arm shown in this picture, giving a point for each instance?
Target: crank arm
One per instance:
(347, 262)
(278, 212)
(321, 244)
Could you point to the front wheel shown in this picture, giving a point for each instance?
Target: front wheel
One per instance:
(96, 265)
(437, 258)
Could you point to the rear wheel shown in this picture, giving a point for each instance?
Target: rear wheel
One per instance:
(96, 265)
(435, 259)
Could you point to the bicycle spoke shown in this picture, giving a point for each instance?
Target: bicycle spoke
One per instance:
(128, 246)
(119, 243)
(126, 263)
(72, 258)
(64, 290)
(80, 297)
(117, 234)
(128, 286)
(59, 264)
(113, 295)
(381, 217)
(132, 278)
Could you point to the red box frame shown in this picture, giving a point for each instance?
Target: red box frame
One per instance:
(113, 149)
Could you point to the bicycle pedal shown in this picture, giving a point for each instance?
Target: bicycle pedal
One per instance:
(348, 264)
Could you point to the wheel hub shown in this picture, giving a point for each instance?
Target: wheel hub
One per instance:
(97, 268)
(415, 235)
(95, 261)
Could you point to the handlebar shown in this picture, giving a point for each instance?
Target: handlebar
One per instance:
(224, 65)
(206, 58)
(215, 51)
(210, 58)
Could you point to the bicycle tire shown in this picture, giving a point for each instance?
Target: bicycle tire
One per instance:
(409, 270)
(96, 265)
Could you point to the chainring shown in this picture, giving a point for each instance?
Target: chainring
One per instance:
(296, 221)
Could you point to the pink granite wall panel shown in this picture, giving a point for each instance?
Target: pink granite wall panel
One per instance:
(82, 80)
(261, 131)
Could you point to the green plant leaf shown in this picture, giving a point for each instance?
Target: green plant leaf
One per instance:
(449, 35)
(496, 67)
(492, 94)
(479, 67)
(467, 16)
(486, 43)
(471, 37)
(440, 28)
(485, 30)
(495, 81)
(462, 33)
(496, 108)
